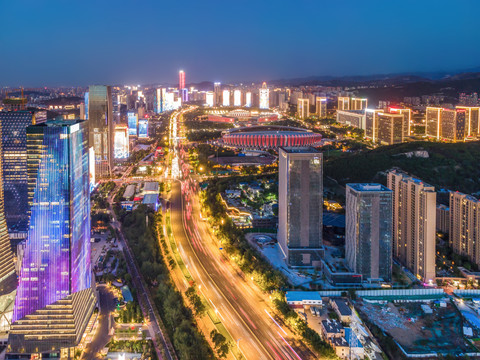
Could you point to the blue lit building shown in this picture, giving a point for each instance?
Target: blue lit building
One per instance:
(55, 297)
(14, 146)
(132, 119)
(143, 128)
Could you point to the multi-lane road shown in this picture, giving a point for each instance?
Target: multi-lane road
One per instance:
(240, 305)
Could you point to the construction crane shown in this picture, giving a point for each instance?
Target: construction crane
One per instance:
(15, 103)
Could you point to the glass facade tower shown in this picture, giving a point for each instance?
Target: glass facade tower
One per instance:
(14, 160)
(368, 233)
(100, 124)
(56, 268)
(300, 205)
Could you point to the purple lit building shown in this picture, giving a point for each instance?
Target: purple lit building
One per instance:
(55, 286)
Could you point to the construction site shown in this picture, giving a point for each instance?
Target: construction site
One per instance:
(419, 327)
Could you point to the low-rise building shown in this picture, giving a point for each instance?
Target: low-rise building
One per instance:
(332, 329)
(150, 187)
(342, 309)
(151, 200)
(299, 299)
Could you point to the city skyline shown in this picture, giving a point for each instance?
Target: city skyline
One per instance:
(266, 32)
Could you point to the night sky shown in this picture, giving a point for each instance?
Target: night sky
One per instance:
(77, 42)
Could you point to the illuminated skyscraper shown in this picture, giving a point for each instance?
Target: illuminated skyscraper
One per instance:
(300, 205)
(321, 107)
(209, 98)
(248, 99)
(55, 297)
(100, 125)
(143, 128)
(14, 160)
(132, 121)
(368, 232)
(414, 224)
(408, 119)
(452, 124)
(264, 97)
(226, 98)
(303, 108)
(8, 277)
(390, 128)
(472, 120)
(237, 98)
(343, 103)
(358, 103)
(464, 229)
(432, 122)
(121, 142)
(371, 124)
(181, 80)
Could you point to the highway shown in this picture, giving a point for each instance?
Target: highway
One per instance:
(238, 302)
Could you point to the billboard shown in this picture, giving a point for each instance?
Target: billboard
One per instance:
(143, 128)
(132, 123)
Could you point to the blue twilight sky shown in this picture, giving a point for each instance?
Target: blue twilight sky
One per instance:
(73, 42)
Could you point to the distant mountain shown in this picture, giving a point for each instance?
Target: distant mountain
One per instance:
(395, 78)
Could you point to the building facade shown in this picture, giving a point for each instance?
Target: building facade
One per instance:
(300, 206)
(303, 108)
(264, 97)
(321, 107)
(100, 128)
(55, 296)
(464, 234)
(390, 128)
(14, 163)
(355, 118)
(8, 276)
(414, 224)
(443, 219)
(472, 120)
(368, 233)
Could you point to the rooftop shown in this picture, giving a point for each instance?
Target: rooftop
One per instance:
(302, 295)
(368, 187)
(300, 150)
(332, 326)
(342, 306)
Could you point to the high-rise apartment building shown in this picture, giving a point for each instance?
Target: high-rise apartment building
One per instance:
(447, 124)
(452, 125)
(237, 98)
(303, 108)
(371, 124)
(248, 99)
(464, 229)
(55, 296)
(14, 162)
(264, 97)
(472, 120)
(226, 98)
(432, 122)
(408, 119)
(100, 128)
(300, 205)
(414, 224)
(358, 104)
(368, 232)
(343, 103)
(443, 218)
(321, 107)
(390, 128)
